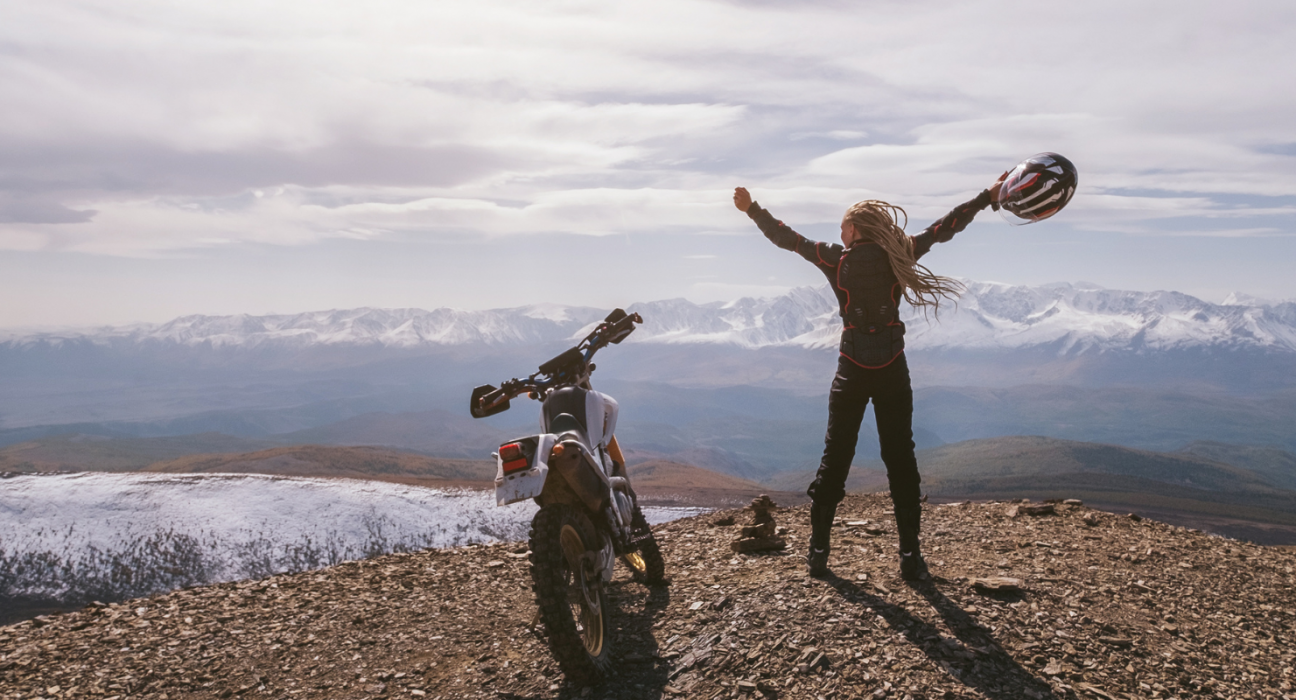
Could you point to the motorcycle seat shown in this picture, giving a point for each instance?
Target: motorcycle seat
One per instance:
(565, 424)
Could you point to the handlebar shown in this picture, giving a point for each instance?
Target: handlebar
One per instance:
(494, 399)
(570, 368)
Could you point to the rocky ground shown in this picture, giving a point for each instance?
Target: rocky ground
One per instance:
(1104, 606)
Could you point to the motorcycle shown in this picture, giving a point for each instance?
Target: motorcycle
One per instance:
(589, 514)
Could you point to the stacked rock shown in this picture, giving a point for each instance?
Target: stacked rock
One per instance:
(762, 534)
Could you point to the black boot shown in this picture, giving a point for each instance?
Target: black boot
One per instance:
(821, 520)
(912, 566)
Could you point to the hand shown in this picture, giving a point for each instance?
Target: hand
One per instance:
(994, 189)
(742, 199)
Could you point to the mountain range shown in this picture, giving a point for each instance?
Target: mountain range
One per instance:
(1069, 318)
(738, 387)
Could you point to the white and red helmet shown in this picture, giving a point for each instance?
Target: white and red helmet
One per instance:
(1037, 188)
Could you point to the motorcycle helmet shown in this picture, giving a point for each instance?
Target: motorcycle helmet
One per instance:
(1037, 188)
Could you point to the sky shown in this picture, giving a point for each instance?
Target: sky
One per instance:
(159, 159)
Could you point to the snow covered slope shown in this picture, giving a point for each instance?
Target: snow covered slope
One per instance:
(1076, 319)
(107, 536)
(1072, 318)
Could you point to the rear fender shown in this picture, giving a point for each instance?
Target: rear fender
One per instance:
(582, 474)
(529, 483)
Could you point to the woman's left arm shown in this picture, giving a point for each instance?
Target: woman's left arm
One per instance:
(944, 228)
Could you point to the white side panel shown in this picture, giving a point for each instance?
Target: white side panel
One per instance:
(594, 417)
(520, 486)
(610, 411)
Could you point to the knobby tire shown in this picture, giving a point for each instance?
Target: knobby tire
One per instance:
(551, 574)
(654, 567)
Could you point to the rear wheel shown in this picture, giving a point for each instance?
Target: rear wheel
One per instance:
(645, 563)
(569, 591)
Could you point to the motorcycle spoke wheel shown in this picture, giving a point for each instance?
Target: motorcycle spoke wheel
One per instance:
(569, 592)
(589, 622)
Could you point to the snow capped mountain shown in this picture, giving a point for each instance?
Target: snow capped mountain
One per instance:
(1073, 319)
(1076, 320)
(804, 316)
(399, 328)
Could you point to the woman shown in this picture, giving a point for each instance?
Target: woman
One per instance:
(871, 270)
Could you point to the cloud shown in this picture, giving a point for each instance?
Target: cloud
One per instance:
(16, 210)
(142, 128)
(837, 135)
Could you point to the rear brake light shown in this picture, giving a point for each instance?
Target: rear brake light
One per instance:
(513, 458)
(516, 466)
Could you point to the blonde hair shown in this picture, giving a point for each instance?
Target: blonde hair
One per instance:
(878, 222)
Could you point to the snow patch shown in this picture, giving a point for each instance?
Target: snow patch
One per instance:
(86, 536)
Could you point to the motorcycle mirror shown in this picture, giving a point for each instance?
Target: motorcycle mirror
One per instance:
(475, 404)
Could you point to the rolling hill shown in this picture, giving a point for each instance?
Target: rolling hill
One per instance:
(1181, 486)
(318, 460)
(436, 432)
(1274, 464)
(661, 474)
(100, 453)
(1231, 489)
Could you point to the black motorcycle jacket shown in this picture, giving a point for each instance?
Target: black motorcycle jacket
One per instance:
(868, 293)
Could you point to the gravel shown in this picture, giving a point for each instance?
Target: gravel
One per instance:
(1067, 603)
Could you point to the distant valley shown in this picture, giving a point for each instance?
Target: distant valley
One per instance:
(1230, 490)
(1162, 381)
(250, 375)
(1234, 490)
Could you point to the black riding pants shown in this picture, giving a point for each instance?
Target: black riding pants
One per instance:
(892, 397)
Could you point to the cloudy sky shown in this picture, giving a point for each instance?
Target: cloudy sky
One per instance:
(162, 158)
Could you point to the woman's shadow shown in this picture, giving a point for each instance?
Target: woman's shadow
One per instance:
(975, 658)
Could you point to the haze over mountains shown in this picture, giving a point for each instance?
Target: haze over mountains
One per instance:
(270, 374)
(737, 388)
(1169, 385)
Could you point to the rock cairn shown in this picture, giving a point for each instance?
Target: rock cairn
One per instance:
(762, 534)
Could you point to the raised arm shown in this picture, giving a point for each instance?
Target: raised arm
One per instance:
(958, 219)
(824, 255)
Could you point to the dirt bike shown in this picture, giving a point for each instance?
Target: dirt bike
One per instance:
(589, 514)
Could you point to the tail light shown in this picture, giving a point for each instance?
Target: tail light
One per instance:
(513, 457)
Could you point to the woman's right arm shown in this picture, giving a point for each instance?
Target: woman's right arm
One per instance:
(823, 255)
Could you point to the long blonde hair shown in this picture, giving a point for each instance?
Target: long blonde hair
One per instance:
(878, 222)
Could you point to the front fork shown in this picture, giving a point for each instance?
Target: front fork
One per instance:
(601, 561)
